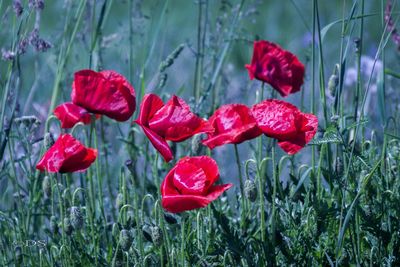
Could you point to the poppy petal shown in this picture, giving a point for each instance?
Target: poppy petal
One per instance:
(67, 155)
(180, 203)
(276, 118)
(149, 106)
(106, 92)
(70, 114)
(159, 143)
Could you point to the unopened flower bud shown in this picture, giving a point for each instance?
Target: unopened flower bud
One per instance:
(125, 239)
(48, 141)
(119, 202)
(67, 226)
(250, 190)
(333, 81)
(76, 218)
(170, 218)
(53, 225)
(18, 254)
(46, 186)
(339, 167)
(157, 236)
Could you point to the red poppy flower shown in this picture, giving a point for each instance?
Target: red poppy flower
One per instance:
(278, 67)
(285, 122)
(233, 124)
(173, 121)
(70, 114)
(190, 184)
(67, 155)
(106, 92)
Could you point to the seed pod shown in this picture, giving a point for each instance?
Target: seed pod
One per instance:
(333, 81)
(119, 202)
(48, 141)
(46, 186)
(115, 229)
(18, 253)
(67, 226)
(339, 168)
(125, 239)
(250, 190)
(170, 218)
(157, 236)
(147, 233)
(76, 218)
(53, 225)
(196, 144)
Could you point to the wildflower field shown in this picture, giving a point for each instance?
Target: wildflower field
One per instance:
(199, 133)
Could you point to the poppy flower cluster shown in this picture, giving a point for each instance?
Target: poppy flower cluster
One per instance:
(190, 184)
(100, 93)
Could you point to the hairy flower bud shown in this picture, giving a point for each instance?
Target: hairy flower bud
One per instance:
(333, 81)
(125, 239)
(18, 253)
(170, 218)
(157, 236)
(339, 167)
(250, 190)
(53, 224)
(76, 218)
(119, 202)
(48, 141)
(67, 226)
(46, 186)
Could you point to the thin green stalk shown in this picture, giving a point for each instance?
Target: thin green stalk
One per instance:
(183, 240)
(274, 190)
(242, 198)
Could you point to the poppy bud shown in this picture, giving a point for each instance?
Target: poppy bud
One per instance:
(53, 224)
(147, 233)
(339, 168)
(250, 190)
(125, 239)
(157, 236)
(115, 229)
(131, 167)
(76, 218)
(333, 81)
(67, 226)
(18, 253)
(170, 218)
(119, 201)
(46, 186)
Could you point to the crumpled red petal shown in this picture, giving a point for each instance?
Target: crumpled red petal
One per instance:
(180, 203)
(173, 122)
(276, 66)
(106, 92)
(176, 122)
(189, 184)
(283, 121)
(308, 129)
(233, 124)
(276, 118)
(67, 155)
(70, 114)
